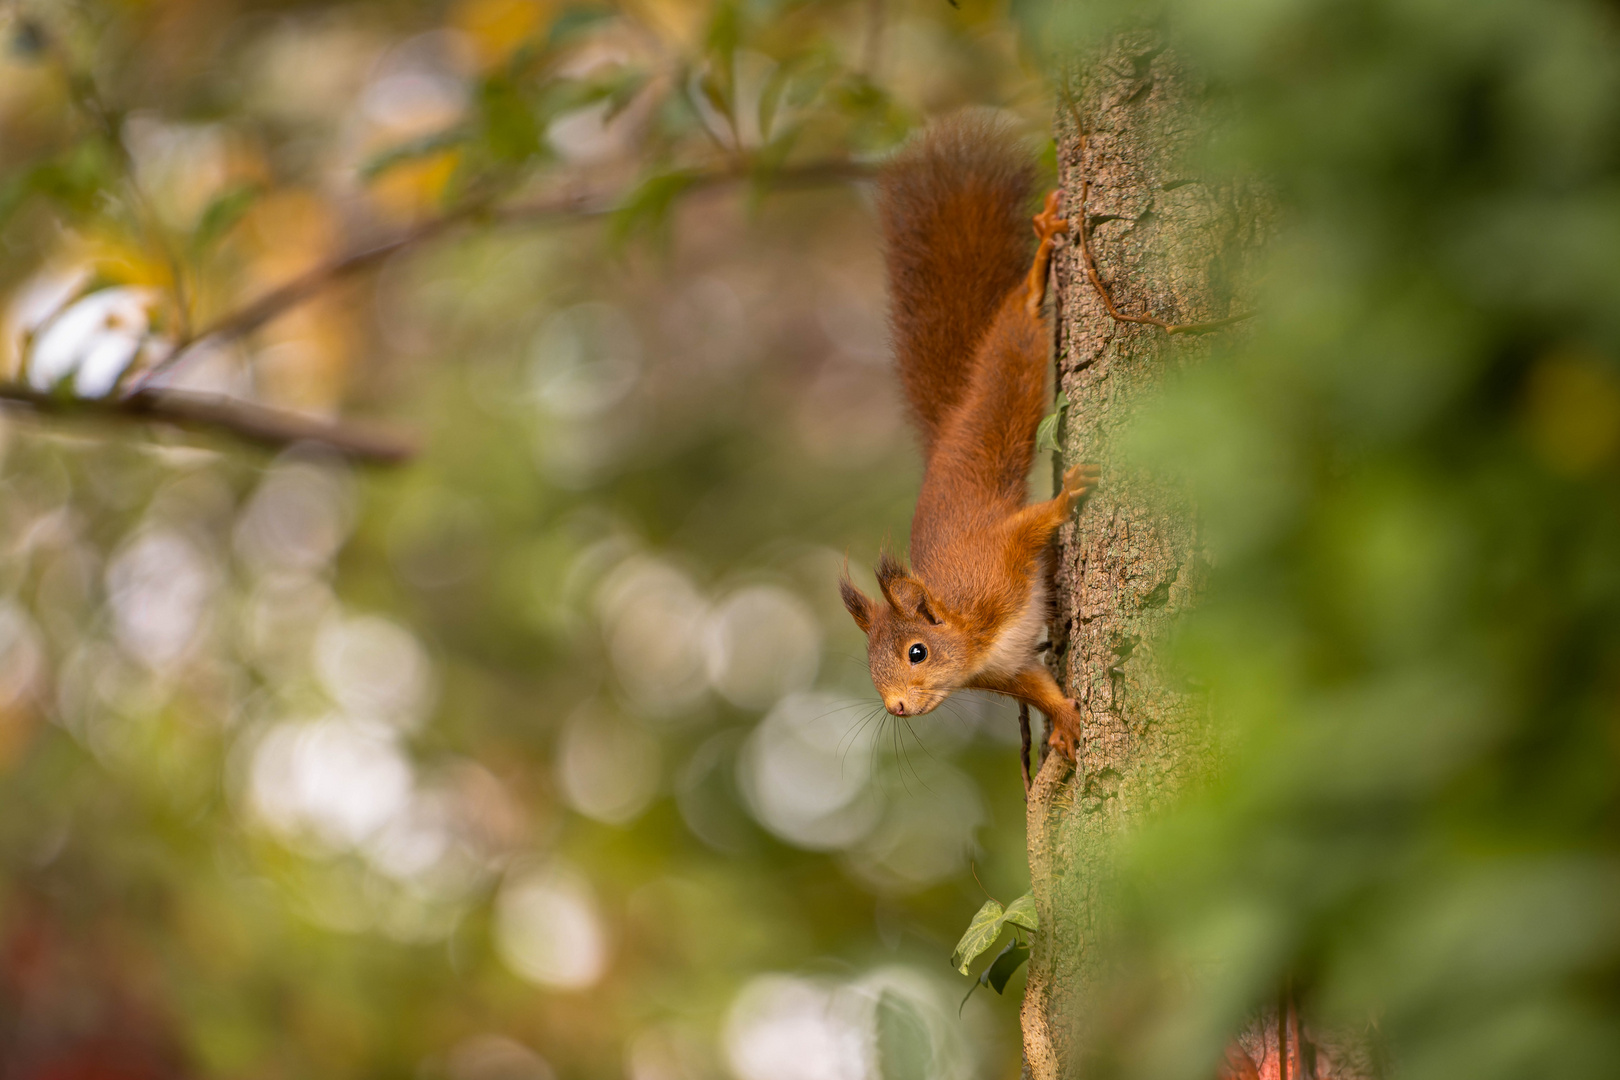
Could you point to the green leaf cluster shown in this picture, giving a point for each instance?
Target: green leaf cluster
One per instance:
(987, 924)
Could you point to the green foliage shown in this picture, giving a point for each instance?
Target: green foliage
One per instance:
(980, 934)
(222, 215)
(987, 925)
(1407, 472)
(1046, 434)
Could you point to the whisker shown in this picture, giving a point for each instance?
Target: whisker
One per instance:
(895, 729)
(855, 732)
(851, 703)
(925, 750)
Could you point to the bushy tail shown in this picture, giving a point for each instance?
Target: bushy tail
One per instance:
(955, 216)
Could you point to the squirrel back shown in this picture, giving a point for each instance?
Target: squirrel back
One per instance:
(954, 208)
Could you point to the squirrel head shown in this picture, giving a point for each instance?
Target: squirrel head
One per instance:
(916, 655)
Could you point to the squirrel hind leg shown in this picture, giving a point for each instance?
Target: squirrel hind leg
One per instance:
(1049, 225)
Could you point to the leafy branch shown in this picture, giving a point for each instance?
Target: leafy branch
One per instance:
(143, 402)
(504, 120)
(982, 932)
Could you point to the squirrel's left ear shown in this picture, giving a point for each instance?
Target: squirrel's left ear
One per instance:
(910, 596)
(859, 605)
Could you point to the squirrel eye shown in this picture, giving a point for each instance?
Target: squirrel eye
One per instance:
(917, 653)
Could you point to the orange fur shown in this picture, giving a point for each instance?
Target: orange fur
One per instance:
(971, 345)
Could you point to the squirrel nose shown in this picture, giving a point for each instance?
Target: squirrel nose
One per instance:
(898, 708)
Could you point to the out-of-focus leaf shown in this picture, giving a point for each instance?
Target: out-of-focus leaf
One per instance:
(1008, 961)
(718, 96)
(1021, 912)
(981, 934)
(770, 98)
(221, 215)
(648, 205)
(623, 91)
(511, 132)
(413, 150)
(28, 39)
(904, 1048)
(998, 971)
(574, 23)
(73, 180)
(725, 31)
(1046, 432)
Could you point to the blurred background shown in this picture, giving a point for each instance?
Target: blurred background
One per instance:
(550, 752)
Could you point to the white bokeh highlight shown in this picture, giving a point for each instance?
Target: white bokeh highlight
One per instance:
(653, 616)
(760, 643)
(160, 587)
(805, 772)
(607, 766)
(548, 929)
(337, 780)
(782, 1027)
(375, 668)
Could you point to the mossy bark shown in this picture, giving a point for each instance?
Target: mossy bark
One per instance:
(1164, 243)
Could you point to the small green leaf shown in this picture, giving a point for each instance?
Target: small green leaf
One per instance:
(981, 934)
(1006, 962)
(998, 971)
(1021, 912)
(1046, 433)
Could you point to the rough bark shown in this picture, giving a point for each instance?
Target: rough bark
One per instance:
(1163, 244)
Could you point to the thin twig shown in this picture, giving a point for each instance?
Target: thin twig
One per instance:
(1023, 743)
(1081, 226)
(211, 414)
(573, 205)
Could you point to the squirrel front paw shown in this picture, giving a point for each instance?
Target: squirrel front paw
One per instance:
(1066, 737)
(1079, 482)
(1049, 223)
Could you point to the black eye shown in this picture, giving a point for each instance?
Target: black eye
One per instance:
(917, 653)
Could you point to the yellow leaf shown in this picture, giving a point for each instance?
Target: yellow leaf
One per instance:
(497, 27)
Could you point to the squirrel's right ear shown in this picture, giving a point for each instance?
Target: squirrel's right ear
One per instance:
(858, 603)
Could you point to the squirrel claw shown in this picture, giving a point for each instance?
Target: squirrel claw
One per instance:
(1079, 482)
(1066, 737)
(1048, 223)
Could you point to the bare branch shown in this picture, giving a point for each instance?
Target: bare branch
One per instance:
(211, 414)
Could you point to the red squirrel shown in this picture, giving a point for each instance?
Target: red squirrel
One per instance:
(971, 344)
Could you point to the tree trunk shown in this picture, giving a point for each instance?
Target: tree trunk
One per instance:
(1129, 565)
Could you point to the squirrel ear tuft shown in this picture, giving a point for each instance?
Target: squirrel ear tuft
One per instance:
(910, 596)
(889, 569)
(859, 605)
